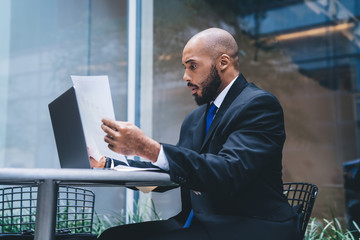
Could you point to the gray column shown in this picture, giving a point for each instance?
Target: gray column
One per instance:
(46, 210)
(5, 23)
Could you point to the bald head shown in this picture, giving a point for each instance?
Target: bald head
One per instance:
(215, 42)
(211, 63)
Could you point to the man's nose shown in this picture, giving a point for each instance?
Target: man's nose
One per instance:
(186, 77)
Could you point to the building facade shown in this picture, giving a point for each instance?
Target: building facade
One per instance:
(305, 52)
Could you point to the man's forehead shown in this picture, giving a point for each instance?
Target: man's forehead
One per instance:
(188, 55)
(191, 55)
(194, 50)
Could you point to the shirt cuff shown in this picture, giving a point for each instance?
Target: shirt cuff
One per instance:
(162, 161)
(109, 163)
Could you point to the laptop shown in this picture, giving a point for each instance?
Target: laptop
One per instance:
(68, 131)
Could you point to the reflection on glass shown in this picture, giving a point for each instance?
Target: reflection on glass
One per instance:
(48, 42)
(305, 53)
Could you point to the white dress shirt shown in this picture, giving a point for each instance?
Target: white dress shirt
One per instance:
(162, 161)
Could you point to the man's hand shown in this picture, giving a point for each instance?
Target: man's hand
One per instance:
(94, 163)
(97, 164)
(127, 139)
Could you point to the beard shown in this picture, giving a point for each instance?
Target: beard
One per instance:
(210, 87)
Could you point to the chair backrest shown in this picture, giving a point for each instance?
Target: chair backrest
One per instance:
(75, 209)
(302, 195)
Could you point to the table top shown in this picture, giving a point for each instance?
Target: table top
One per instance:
(69, 176)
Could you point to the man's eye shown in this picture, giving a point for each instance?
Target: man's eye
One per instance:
(192, 66)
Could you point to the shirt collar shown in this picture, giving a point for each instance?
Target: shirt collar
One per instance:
(220, 98)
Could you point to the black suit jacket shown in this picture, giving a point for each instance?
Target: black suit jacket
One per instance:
(237, 166)
(235, 169)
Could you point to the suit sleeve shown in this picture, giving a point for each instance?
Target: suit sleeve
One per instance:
(246, 144)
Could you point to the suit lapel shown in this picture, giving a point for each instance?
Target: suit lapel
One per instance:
(239, 84)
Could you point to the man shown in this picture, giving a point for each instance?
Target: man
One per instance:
(227, 160)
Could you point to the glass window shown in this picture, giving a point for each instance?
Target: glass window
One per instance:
(46, 42)
(301, 51)
(42, 43)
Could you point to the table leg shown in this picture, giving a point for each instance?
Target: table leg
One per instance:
(46, 210)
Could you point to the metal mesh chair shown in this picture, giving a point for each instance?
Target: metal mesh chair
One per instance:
(74, 216)
(301, 196)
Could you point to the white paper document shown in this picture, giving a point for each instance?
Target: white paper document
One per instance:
(122, 168)
(94, 99)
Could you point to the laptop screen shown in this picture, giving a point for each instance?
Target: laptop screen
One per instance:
(68, 131)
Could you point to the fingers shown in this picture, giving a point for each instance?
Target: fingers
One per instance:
(110, 128)
(118, 135)
(97, 164)
(111, 143)
(107, 129)
(113, 129)
(111, 147)
(111, 123)
(109, 140)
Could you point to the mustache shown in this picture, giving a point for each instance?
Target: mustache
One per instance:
(192, 85)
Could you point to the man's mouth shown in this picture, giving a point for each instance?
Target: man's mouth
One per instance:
(193, 88)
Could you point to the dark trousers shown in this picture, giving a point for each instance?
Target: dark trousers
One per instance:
(168, 229)
(244, 229)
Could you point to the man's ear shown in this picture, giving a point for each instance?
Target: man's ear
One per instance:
(224, 62)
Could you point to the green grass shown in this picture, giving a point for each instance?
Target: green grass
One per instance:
(329, 230)
(144, 212)
(10, 224)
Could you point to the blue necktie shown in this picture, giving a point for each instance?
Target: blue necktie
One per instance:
(209, 118)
